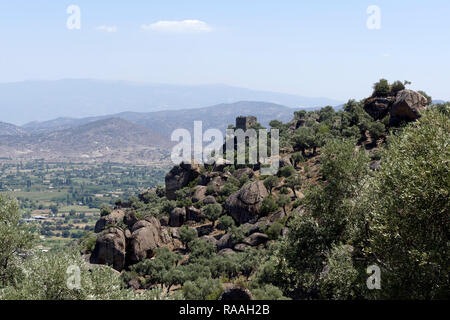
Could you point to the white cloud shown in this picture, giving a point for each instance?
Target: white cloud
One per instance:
(386, 55)
(107, 28)
(185, 26)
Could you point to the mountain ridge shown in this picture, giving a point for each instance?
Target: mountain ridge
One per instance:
(27, 101)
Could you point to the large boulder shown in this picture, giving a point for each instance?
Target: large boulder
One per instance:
(225, 242)
(255, 239)
(177, 217)
(179, 177)
(204, 230)
(199, 193)
(243, 171)
(194, 214)
(110, 249)
(209, 200)
(378, 107)
(407, 106)
(244, 205)
(146, 236)
(111, 219)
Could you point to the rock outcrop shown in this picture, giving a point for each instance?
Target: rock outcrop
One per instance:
(179, 177)
(244, 205)
(146, 236)
(199, 193)
(110, 249)
(111, 219)
(177, 217)
(255, 239)
(378, 107)
(406, 105)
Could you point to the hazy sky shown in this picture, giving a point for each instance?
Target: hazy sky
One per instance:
(310, 48)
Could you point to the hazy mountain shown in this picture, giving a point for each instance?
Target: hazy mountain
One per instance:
(439, 101)
(164, 122)
(22, 102)
(104, 140)
(8, 129)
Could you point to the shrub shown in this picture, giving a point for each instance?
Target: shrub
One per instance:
(274, 230)
(270, 182)
(212, 212)
(105, 210)
(268, 292)
(376, 130)
(268, 205)
(225, 222)
(187, 235)
(283, 201)
(397, 86)
(202, 288)
(286, 171)
(382, 88)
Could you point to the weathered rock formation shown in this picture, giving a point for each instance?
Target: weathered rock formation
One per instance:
(179, 177)
(110, 249)
(177, 217)
(406, 105)
(146, 236)
(119, 248)
(111, 219)
(244, 205)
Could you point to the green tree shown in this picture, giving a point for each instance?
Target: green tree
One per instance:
(294, 182)
(225, 222)
(382, 88)
(376, 130)
(296, 158)
(212, 212)
(409, 208)
(270, 182)
(283, 201)
(397, 86)
(16, 238)
(286, 171)
(105, 210)
(187, 235)
(303, 139)
(268, 205)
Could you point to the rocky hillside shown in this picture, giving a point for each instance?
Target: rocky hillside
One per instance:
(106, 140)
(221, 229)
(7, 129)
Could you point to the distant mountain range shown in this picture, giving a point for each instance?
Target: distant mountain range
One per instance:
(26, 101)
(164, 122)
(123, 137)
(8, 129)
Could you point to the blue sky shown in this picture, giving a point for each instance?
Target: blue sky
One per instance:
(311, 48)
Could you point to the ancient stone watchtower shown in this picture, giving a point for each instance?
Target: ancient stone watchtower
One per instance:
(245, 123)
